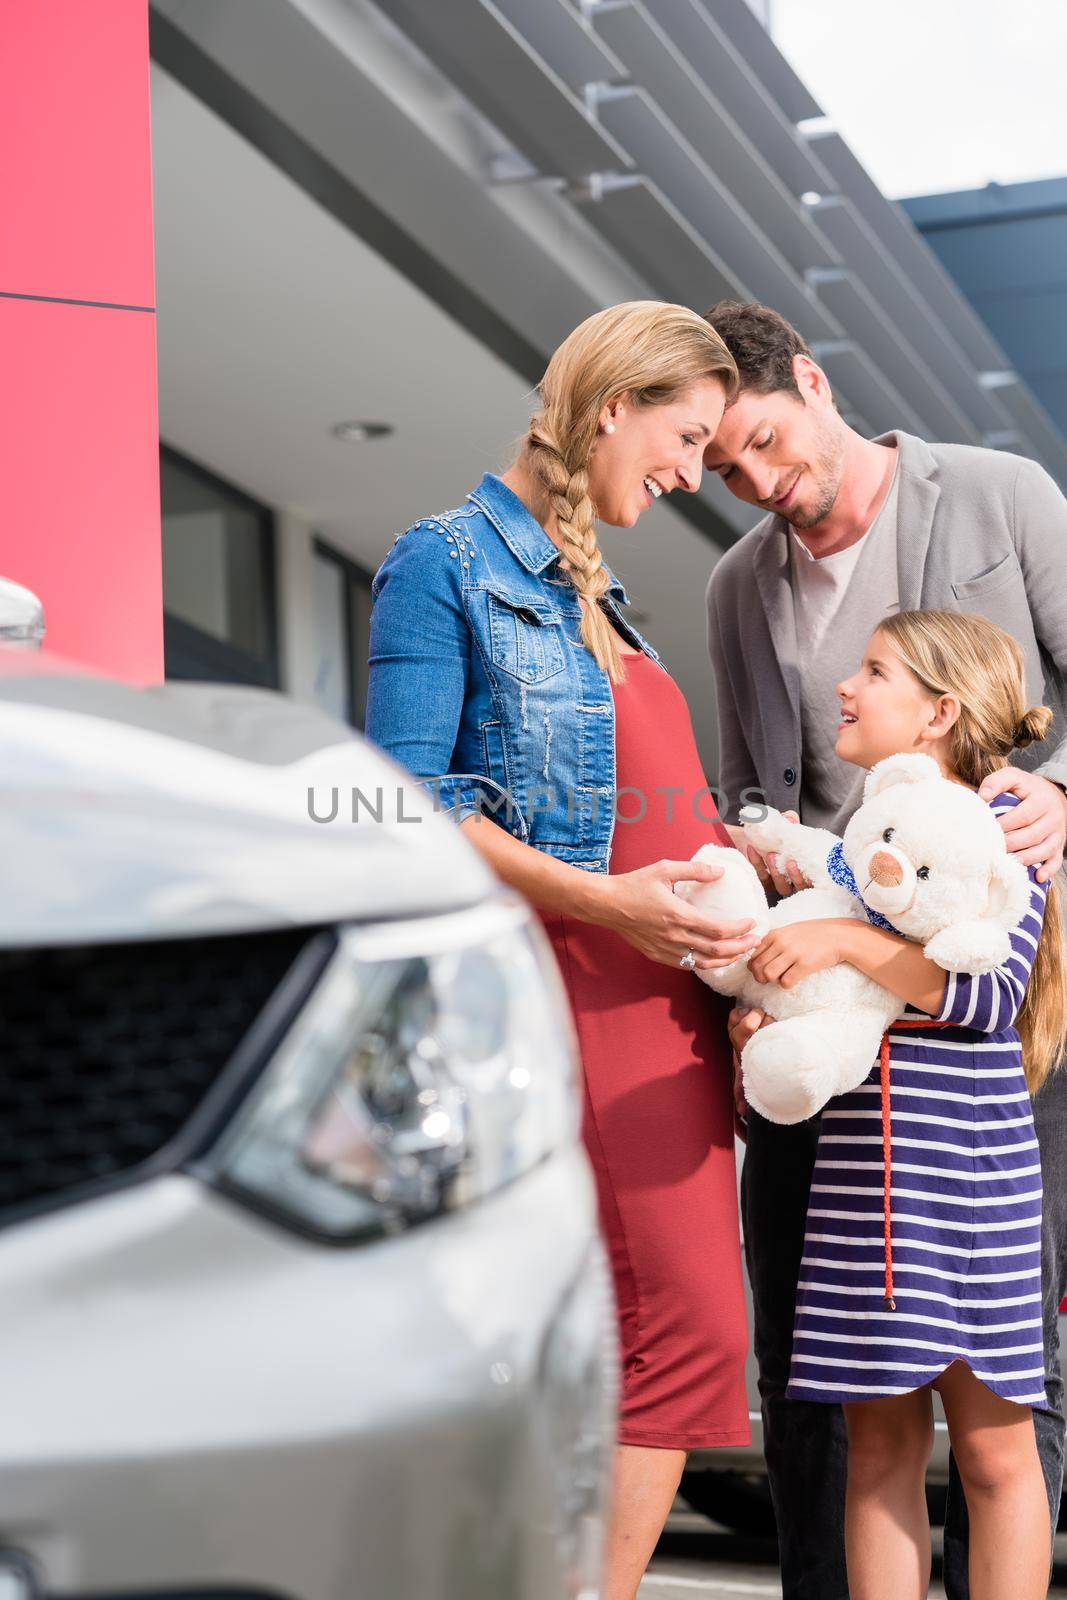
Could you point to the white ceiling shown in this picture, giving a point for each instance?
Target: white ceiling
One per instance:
(275, 323)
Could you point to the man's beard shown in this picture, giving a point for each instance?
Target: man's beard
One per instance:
(827, 480)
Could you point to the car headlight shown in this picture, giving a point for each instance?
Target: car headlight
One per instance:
(432, 1064)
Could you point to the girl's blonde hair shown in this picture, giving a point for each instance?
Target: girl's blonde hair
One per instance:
(648, 351)
(982, 667)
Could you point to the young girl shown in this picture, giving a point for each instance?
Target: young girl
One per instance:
(965, 1205)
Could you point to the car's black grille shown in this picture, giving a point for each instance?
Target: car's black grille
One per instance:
(107, 1051)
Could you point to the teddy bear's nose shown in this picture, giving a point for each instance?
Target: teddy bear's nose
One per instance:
(886, 870)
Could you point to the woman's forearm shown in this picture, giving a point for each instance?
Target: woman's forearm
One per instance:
(546, 883)
(896, 963)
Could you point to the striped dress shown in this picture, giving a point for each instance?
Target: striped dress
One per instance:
(966, 1207)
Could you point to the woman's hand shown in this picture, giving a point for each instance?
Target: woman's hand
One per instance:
(789, 954)
(643, 908)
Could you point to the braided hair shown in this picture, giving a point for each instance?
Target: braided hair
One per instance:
(645, 350)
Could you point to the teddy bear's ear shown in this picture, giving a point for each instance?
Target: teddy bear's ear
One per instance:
(899, 769)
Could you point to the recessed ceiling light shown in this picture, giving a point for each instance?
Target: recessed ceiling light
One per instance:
(811, 197)
(359, 432)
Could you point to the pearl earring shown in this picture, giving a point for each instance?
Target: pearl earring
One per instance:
(609, 427)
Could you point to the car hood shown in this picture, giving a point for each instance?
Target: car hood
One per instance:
(191, 809)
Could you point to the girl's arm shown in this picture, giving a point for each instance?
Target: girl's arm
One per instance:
(992, 1002)
(896, 963)
(989, 1002)
(789, 954)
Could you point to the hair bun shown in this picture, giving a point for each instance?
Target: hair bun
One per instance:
(1033, 727)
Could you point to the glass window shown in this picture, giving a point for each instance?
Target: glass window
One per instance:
(218, 578)
(333, 679)
(342, 634)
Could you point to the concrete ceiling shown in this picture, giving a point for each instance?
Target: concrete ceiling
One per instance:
(276, 322)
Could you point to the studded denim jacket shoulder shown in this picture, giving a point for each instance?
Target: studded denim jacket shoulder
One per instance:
(480, 684)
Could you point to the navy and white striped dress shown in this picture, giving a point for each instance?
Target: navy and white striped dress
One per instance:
(966, 1207)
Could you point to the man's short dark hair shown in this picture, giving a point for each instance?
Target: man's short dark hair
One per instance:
(762, 343)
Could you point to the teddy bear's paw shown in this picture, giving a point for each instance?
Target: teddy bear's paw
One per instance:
(729, 981)
(764, 827)
(790, 1068)
(735, 895)
(972, 947)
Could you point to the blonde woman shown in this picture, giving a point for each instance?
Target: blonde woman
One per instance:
(956, 1306)
(502, 663)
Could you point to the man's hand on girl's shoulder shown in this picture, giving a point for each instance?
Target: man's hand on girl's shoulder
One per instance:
(1036, 829)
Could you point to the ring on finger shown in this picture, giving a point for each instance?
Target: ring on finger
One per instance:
(688, 961)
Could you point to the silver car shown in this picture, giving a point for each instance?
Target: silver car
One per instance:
(300, 1283)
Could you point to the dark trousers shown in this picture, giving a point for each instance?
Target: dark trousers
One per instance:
(804, 1441)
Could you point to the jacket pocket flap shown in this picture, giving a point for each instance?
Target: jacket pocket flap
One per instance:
(1006, 570)
(524, 607)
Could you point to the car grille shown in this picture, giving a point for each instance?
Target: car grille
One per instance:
(107, 1051)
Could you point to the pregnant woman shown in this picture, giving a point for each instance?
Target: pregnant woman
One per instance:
(502, 664)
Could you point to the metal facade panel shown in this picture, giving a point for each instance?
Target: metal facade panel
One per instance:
(891, 225)
(1037, 429)
(1006, 247)
(711, 53)
(376, 169)
(640, 220)
(1021, 255)
(563, 38)
(676, 169)
(766, 60)
(851, 302)
(898, 298)
(487, 57)
(660, 67)
(867, 389)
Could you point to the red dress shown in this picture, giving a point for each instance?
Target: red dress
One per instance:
(658, 1116)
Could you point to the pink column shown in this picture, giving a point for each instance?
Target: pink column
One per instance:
(79, 452)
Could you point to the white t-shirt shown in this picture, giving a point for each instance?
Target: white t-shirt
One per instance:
(838, 601)
(820, 582)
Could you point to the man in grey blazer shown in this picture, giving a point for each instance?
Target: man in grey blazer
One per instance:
(856, 528)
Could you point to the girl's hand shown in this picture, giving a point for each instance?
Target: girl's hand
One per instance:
(643, 908)
(741, 1024)
(789, 954)
(784, 877)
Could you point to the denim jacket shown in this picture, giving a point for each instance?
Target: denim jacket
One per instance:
(479, 679)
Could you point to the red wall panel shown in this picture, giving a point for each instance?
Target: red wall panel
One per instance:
(79, 448)
(75, 131)
(79, 480)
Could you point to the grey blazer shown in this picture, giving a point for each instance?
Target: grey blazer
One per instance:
(980, 530)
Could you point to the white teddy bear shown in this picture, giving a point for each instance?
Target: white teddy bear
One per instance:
(930, 862)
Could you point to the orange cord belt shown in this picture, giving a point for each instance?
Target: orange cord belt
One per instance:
(887, 1146)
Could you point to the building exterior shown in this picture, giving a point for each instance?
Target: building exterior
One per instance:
(382, 212)
(1006, 247)
(79, 458)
